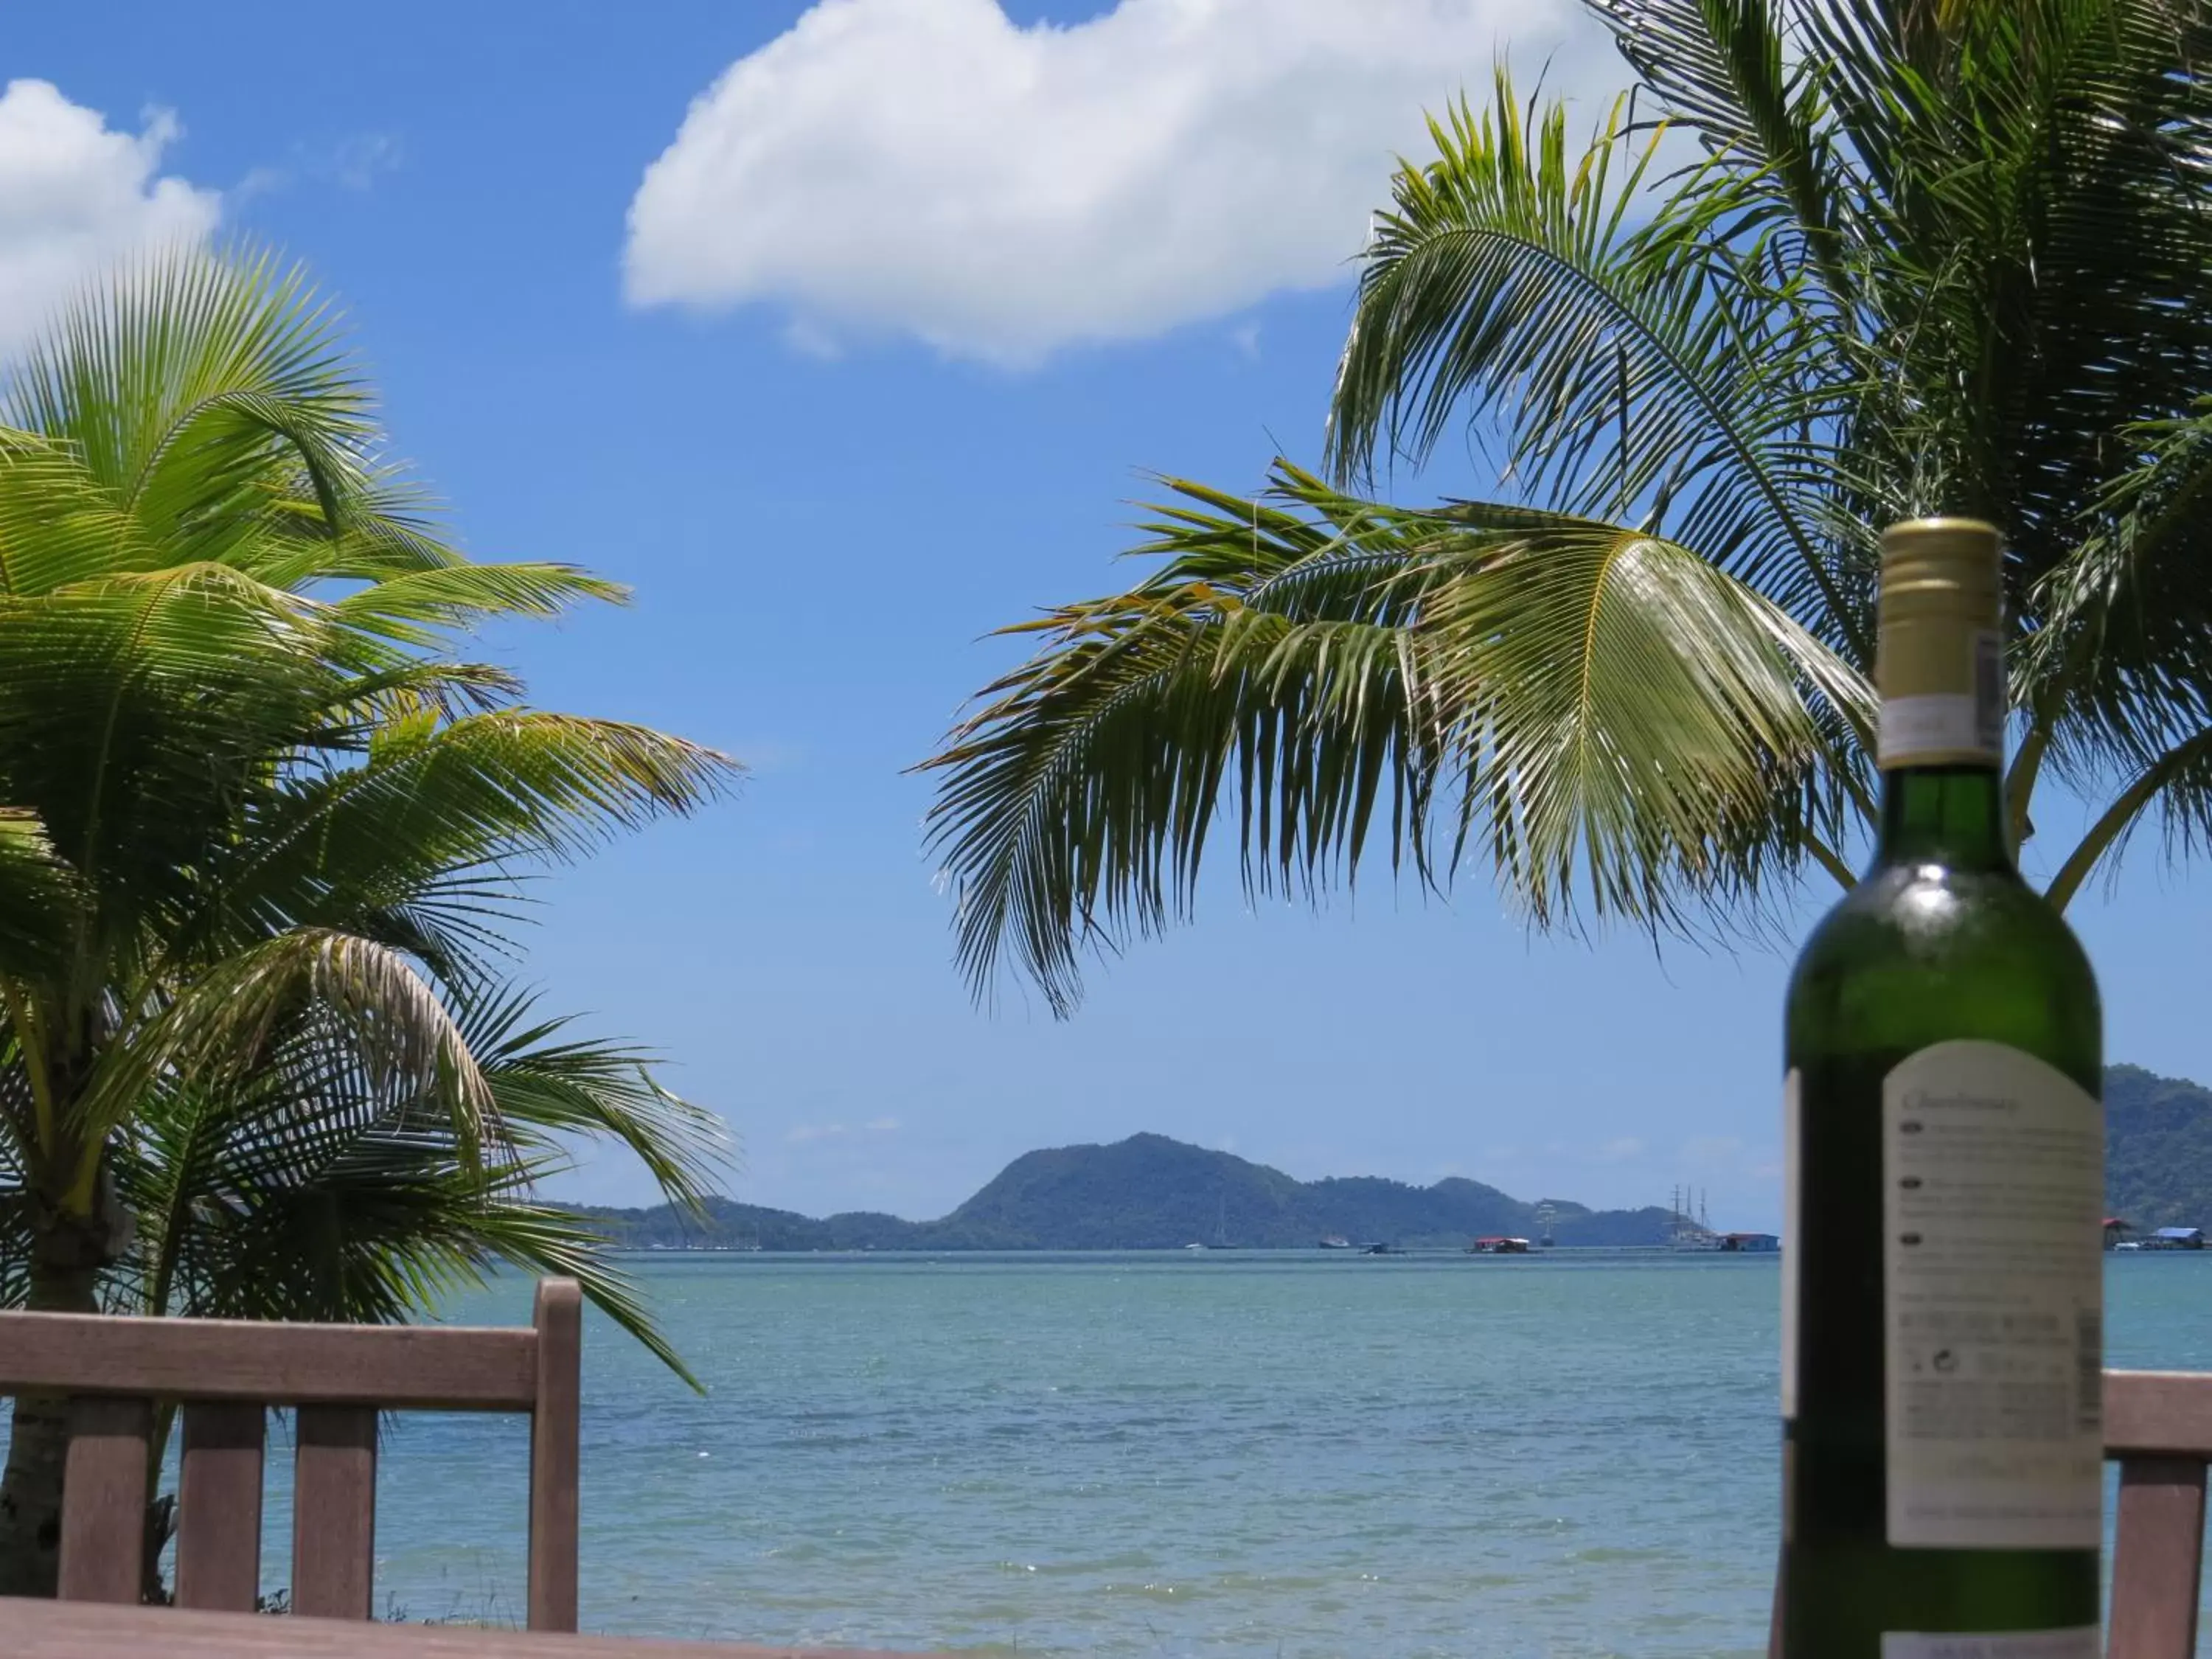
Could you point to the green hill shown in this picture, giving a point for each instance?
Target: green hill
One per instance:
(2158, 1149)
(1150, 1193)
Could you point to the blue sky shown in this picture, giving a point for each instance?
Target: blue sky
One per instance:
(917, 301)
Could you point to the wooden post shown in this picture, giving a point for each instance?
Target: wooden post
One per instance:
(334, 1511)
(219, 1507)
(104, 1500)
(2158, 1556)
(555, 1455)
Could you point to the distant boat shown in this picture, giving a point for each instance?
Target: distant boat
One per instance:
(1380, 1250)
(1220, 1229)
(1495, 1245)
(1334, 1241)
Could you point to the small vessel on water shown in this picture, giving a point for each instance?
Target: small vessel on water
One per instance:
(1687, 1231)
(1497, 1244)
(1334, 1241)
(1220, 1241)
(1380, 1250)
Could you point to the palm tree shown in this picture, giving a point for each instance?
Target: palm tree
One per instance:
(1831, 264)
(263, 827)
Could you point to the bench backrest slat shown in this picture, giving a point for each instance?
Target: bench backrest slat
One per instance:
(334, 1512)
(219, 1505)
(103, 1544)
(397, 1367)
(2152, 1413)
(112, 1370)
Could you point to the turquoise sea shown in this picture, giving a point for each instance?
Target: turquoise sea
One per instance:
(1190, 1454)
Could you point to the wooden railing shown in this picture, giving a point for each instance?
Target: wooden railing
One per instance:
(225, 1374)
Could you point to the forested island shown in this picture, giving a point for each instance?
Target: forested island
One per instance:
(1150, 1192)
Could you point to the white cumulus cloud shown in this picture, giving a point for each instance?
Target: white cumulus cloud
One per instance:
(76, 195)
(927, 167)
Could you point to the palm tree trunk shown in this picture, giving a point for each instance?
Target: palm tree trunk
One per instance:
(31, 1491)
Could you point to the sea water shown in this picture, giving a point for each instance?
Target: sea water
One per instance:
(1187, 1454)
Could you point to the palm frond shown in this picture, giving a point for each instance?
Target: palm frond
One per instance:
(415, 607)
(223, 1025)
(1727, 72)
(132, 711)
(1620, 716)
(40, 900)
(436, 803)
(174, 377)
(1638, 361)
(1642, 720)
(318, 1184)
(547, 1080)
(58, 525)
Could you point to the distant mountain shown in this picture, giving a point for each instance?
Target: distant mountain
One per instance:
(2158, 1149)
(1150, 1193)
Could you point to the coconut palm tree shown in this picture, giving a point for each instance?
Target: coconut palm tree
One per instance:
(263, 826)
(1829, 264)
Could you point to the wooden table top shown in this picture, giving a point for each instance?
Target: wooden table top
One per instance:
(85, 1630)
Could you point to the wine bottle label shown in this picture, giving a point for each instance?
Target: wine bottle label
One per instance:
(1792, 1142)
(1951, 708)
(1993, 1299)
(2006, 1644)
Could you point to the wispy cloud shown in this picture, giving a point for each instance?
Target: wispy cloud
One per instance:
(359, 160)
(801, 1134)
(354, 162)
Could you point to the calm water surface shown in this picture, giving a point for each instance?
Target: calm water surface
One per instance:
(1181, 1455)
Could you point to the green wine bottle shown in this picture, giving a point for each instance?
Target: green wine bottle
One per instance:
(1942, 1268)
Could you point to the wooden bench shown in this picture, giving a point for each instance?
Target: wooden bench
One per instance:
(225, 1374)
(2158, 1428)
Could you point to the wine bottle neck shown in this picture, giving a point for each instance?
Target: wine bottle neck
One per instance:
(1951, 815)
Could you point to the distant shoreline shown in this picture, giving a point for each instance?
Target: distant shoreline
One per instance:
(1152, 1192)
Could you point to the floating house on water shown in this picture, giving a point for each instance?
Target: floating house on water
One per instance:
(1750, 1243)
(2176, 1239)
